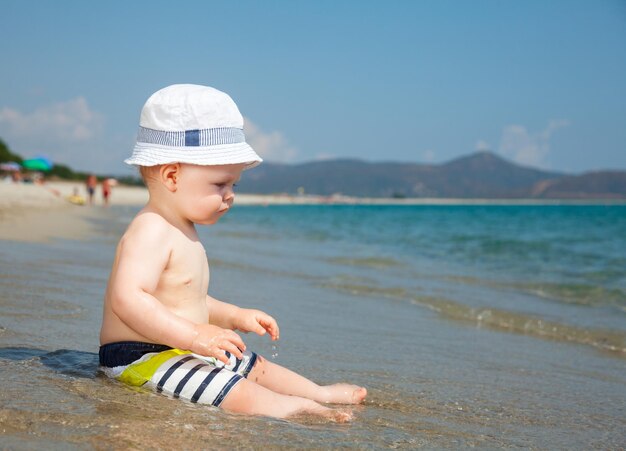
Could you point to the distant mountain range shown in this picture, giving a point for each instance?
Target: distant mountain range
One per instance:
(479, 175)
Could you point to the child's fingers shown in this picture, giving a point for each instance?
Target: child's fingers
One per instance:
(222, 358)
(271, 326)
(234, 350)
(276, 332)
(236, 340)
(259, 328)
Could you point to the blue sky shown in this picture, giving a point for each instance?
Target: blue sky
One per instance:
(542, 83)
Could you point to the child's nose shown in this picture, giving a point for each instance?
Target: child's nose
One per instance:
(229, 196)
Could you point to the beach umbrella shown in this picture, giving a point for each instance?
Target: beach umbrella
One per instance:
(37, 164)
(10, 166)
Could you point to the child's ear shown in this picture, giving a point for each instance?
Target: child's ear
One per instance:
(169, 174)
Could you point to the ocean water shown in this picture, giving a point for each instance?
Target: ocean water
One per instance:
(471, 326)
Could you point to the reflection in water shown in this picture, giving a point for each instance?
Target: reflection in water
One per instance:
(64, 361)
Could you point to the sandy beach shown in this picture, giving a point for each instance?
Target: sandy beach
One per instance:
(38, 213)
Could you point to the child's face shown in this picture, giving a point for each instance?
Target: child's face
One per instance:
(205, 193)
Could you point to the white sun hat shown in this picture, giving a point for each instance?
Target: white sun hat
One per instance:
(191, 124)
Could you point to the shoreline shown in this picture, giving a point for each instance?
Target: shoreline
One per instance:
(287, 199)
(138, 196)
(43, 212)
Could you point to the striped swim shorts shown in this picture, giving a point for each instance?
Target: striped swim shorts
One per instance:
(174, 372)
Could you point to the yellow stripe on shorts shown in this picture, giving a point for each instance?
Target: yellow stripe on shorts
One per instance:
(139, 373)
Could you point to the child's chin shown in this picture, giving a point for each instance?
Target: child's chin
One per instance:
(210, 221)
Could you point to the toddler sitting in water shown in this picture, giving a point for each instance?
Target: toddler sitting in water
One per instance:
(160, 328)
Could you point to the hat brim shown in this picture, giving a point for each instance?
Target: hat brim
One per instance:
(148, 154)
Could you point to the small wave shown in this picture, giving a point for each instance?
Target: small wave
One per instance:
(369, 262)
(520, 323)
(580, 294)
(258, 269)
(498, 319)
(471, 245)
(616, 270)
(351, 278)
(502, 246)
(367, 290)
(567, 293)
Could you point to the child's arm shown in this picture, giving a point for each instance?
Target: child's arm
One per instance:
(141, 259)
(230, 316)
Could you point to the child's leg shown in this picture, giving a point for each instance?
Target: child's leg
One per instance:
(252, 399)
(281, 380)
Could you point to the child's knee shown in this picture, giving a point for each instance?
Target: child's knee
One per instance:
(238, 399)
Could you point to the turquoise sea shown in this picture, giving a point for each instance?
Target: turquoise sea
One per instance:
(486, 326)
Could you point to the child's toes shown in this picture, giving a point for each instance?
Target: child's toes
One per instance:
(344, 394)
(359, 395)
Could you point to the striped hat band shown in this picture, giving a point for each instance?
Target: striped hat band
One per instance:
(191, 138)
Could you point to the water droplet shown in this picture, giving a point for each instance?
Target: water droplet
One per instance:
(274, 351)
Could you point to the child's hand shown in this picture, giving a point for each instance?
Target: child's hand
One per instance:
(213, 341)
(249, 320)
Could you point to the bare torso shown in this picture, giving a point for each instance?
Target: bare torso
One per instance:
(181, 288)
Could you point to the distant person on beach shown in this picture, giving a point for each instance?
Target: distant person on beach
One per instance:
(160, 328)
(91, 184)
(106, 191)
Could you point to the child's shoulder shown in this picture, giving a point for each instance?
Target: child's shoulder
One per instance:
(148, 227)
(147, 242)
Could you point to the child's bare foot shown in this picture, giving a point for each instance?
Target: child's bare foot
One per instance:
(344, 394)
